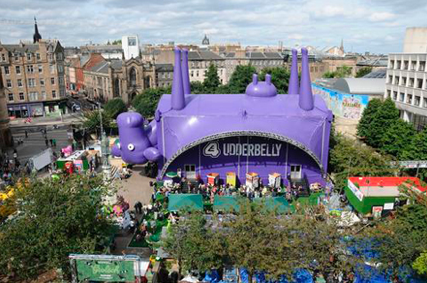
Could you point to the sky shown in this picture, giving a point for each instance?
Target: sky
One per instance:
(377, 26)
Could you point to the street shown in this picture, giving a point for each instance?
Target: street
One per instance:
(35, 143)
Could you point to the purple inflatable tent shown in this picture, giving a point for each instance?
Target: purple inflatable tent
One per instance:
(258, 131)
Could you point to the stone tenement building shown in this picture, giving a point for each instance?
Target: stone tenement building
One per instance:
(33, 77)
(5, 134)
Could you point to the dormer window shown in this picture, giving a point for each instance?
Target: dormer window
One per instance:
(28, 56)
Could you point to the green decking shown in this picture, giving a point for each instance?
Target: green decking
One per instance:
(185, 201)
(365, 206)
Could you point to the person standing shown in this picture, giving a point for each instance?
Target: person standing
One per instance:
(46, 142)
(54, 142)
(26, 134)
(15, 153)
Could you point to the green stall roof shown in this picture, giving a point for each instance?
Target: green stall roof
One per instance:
(226, 203)
(279, 203)
(185, 201)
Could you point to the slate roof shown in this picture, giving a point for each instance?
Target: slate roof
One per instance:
(203, 55)
(22, 49)
(164, 67)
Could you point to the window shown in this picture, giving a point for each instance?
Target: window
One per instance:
(60, 69)
(61, 81)
(422, 66)
(405, 65)
(425, 102)
(30, 69)
(411, 82)
(8, 83)
(40, 69)
(16, 56)
(52, 69)
(192, 73)
(33, 96)
(394, 95)
(18, 70)
(132, 41)
(401, 97)
(42, 82)
(43, 95)
(391, 64)
(28, 56)
(3, 57)
(38, 56)
(388, 94)
(396, 80)
(31, 82)
(419, 83)
(10, 96)
(52, 81)
(21, 96)
(132, 76)
(19, 83)
(417, 101)
(53, 93)
(403, 82)
(59, 56)
(6, 70)
(409, 99)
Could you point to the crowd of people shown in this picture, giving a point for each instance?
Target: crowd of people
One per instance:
(290, 192)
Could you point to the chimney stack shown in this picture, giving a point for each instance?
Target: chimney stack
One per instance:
(293, 80)
(178, 98)
(185, 74)
(306, 96)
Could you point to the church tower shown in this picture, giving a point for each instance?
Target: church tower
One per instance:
(36, 36)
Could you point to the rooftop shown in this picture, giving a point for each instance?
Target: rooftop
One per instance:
(374, 86)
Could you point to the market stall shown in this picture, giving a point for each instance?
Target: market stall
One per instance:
(252, 180)
(78, 161)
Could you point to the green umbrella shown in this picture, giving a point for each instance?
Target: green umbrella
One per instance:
(171, 175)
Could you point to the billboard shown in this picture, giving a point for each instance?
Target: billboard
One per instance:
(106, 268)
(349, 106)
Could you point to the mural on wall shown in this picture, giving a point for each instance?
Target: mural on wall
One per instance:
(349, 106)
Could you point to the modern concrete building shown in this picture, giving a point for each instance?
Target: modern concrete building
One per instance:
(406, 82)
(130, 46)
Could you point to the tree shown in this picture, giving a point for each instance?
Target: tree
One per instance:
(386, 116)
(117, 42)
(351, 158)
(400, 242)
(279, 77)
(241, 77)
(114, 107)
(55, 218)
(193, 242)
(364, 126)
(342, 72)
(397, 138)
(197, 88)
(212, 80)
(92, 121)
(146, 102)
(363, 72)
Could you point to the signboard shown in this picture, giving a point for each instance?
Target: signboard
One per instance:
(389, 206)
(411, 164)
(355, 190)
(213, 149)
(376, 211)
(105, 268)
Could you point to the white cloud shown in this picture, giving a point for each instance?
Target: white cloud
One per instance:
(381, 16)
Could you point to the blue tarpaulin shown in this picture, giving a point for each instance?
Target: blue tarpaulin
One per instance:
(300, 276)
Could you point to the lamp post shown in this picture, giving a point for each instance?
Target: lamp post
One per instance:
(105, 151)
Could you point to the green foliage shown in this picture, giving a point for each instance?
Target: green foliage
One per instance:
(92, 121)
(114, 107)
(349, 158)
(197, 88)
(241, 77)
(401, 242)
(257, 239)
(146, 102)
(194, 244)
(55, 218)
(212, 80)
(417, 148)
(382, 120)
(397, 138)
(420, 264)
(117, 42)
(279, 77)
(341, 72)
(363, 72)
(369, 113)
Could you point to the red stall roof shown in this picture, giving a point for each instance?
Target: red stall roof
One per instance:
(387, 182)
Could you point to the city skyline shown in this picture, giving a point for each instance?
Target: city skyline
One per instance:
(377, 26)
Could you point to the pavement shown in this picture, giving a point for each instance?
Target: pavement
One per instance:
(39, 121)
